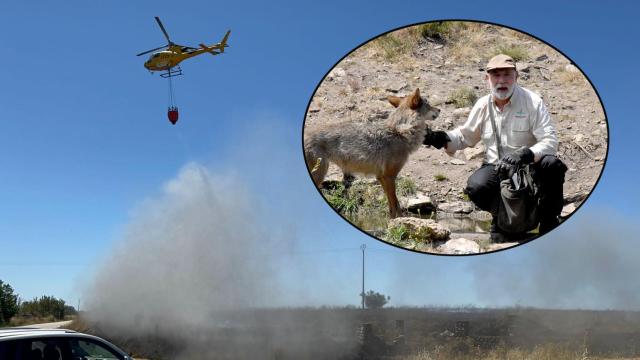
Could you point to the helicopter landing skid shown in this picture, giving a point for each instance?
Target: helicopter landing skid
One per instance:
(171, 72)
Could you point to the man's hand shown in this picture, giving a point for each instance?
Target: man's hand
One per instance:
(437, 139)
(519, 157)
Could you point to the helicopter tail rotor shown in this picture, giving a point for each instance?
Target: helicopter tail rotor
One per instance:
(223, 43)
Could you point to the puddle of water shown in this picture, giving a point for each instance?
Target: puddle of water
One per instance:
(463, 223)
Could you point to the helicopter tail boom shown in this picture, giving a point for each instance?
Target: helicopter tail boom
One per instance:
(219, 46)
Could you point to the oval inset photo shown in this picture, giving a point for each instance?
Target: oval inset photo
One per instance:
(455, 137)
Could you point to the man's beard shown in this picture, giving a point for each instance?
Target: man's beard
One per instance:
(502, 95)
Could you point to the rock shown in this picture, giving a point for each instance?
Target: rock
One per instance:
(542, 57)
(457, 162)
(568, 210)
(578, 138)
(421, 204)
(460, 246)
(545, 74)
(462, 112)
(481, 215)
(337, 72)
(421, 230)
(474, 152)
(457, 207)
(525, 69)
(500, 246)
(395, 87)
(571, 68)
(575, 197)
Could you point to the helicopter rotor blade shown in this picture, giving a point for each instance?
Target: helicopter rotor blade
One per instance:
(152, 50)
(163, 30)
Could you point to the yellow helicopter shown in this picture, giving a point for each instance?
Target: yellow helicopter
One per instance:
(170, 58)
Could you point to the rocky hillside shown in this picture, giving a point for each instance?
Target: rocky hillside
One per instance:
(446, 62)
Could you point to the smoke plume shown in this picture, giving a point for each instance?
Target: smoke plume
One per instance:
(194, 250)
(590, 262)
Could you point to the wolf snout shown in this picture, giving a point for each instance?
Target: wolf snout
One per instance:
(434, 112)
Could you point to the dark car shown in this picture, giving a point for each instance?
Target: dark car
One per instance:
(55, 344)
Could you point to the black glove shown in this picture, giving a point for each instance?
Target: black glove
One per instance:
(437, 139)
(519, 157)
(522, 156)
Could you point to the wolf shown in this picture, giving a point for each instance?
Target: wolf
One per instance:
(374, 148)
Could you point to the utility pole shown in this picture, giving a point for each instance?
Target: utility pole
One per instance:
(362, 247)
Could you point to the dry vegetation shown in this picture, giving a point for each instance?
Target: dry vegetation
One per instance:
(332, 333)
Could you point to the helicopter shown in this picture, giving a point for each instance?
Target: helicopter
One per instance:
(168, 60)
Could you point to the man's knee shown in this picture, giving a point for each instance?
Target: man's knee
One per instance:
(475, 187)
(551, 166)
(482, 189)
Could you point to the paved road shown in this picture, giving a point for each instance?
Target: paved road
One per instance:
(52, 325)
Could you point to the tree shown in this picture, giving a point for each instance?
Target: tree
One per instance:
(43, 307)
(375, 300)
(8, 303)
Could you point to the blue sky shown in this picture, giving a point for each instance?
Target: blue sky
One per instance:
(85, 139)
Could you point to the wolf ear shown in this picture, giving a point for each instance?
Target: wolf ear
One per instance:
(415, 100)
(394, 100)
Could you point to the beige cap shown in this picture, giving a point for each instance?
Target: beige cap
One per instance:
(501, 61)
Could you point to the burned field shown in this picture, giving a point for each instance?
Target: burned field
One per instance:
(394, 333)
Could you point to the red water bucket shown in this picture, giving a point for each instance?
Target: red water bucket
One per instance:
(173, 115)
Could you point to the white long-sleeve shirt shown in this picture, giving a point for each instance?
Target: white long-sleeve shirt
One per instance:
(524, 121)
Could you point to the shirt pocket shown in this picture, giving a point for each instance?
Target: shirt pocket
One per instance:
(520, 132)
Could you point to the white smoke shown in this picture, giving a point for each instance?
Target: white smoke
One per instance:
(194, 250)
(590, 262)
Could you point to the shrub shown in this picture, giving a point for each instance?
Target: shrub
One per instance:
(406, 186)
(517, 52)
(435, 30)
(396, 234)
(391, 46)
(462, 97)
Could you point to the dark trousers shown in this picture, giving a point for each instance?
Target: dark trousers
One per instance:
(483, 187)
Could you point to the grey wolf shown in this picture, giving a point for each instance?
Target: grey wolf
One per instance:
(374, 148)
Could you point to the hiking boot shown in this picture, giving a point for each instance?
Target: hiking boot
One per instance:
(498, 236)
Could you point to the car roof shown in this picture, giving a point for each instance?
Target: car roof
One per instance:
(31, 332)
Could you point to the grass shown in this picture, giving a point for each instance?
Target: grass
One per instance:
(397, 234)
(406, 186)
(465, 42)
(466, 350)
(440, 177)
(569, 77)
(392, 46)
(346, 205)
(364, 205)
(436, 30)
(463, 97)
(517, 52)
